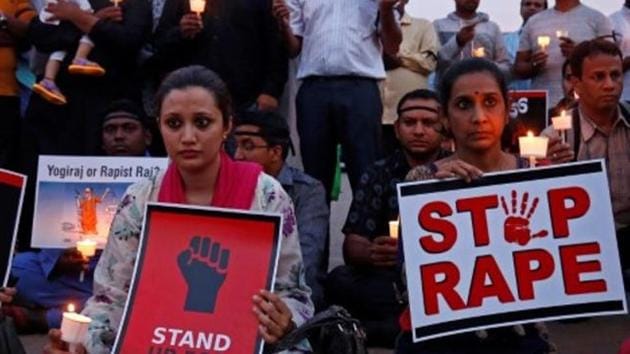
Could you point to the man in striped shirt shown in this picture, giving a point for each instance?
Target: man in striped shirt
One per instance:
(341, 44)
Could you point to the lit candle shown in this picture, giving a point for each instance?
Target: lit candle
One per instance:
(74, 327)
(562, 33)
(116, 2)
(479, 52)
(86, 247)
(543, 42)
(562, 123)
(393, 228)
(198, 6)
(533, 147)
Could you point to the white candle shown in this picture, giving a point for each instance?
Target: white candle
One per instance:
(479, 52)
(197, 6)
(562, 122)
(393, 228)
(533, 147)
(562, 33)
(74, 326)
(543, 42)
(116, 2)
(86, 247)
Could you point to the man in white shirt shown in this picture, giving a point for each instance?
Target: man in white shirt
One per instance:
(341, 44)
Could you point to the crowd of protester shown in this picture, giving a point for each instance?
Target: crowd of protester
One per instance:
(399, 94)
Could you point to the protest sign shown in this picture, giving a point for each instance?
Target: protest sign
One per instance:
(528, 113)
(511, 247)
(12, 187)
(77, 197)
(196, 273)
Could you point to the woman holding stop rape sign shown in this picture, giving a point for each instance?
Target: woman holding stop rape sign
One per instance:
(475, 102)
(194, 118)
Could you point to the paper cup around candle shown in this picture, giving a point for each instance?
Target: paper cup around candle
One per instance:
(479, 52)
(533, 146)
(562, 122)
(393, 228)
(562, 33)
(543, 42)
(197, 6)
(86, 247)
(74, 327)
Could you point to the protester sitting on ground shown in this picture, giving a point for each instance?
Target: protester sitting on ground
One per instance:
(476, 104)
(264, 138)
(369, 284)
(49, 279)
(601, 127)
(568, 101)
(195, 120)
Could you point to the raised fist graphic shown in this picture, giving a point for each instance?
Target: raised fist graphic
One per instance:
(516, 226)
(204, 266)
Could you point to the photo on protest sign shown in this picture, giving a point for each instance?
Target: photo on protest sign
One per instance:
(528, 112)
(512, 247)
(196, 273)
(77, 197)
(12, 186)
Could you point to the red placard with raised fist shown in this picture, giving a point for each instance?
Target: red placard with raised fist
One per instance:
(195, 276)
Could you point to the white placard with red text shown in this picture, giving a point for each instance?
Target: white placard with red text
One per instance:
(512, 247)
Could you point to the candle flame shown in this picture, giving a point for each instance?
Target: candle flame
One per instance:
(530, 133)
(70, 307)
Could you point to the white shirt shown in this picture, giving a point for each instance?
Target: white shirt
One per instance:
(339, 37)
(621, 24)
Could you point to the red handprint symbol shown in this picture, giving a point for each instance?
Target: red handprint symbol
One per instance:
(516, 227)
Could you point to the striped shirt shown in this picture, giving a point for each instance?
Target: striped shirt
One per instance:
(339, 37)
(614, 148)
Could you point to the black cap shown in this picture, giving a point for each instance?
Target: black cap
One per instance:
(125, 109)
(273, 126)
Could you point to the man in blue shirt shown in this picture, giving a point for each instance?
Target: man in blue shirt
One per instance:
(264, 138)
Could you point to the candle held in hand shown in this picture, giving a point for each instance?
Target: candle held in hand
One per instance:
(562, 122)
(74, 326)
(393, 228)
(197, 6)
(543, 42)
(479, 52)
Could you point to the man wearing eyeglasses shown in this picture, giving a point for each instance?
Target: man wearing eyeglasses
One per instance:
(567, 24)
(263, 137)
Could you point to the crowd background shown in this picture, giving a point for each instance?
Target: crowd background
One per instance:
(301, 79)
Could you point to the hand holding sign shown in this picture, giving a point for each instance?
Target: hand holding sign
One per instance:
(204, 266)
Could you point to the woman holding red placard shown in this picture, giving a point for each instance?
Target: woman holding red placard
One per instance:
(194, 120)
(476, 105)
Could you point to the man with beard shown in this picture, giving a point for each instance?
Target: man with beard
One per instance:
(368, 285)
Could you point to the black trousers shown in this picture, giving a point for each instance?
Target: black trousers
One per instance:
(332, 110)
(9, 131)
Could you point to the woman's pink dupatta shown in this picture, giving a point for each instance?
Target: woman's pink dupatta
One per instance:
(235, 186)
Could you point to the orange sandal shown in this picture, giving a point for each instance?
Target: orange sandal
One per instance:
(50, 92)
(82, 66)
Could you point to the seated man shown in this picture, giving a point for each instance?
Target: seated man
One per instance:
(49, 279)
(264, 138)
(369, 284)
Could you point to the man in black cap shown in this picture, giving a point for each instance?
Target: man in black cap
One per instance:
(124, 130)
(263, 137)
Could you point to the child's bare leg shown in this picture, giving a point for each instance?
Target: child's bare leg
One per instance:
(81, 65)
(47, 88)
(84, 50)
(52, 69)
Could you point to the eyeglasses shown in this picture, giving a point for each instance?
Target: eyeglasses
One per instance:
(249, 146)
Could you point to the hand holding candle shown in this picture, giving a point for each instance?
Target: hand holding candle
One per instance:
(87, 249)
(533, 147)
(74, 327)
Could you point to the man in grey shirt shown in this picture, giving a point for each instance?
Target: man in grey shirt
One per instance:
(468, 33)
(566, 24)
